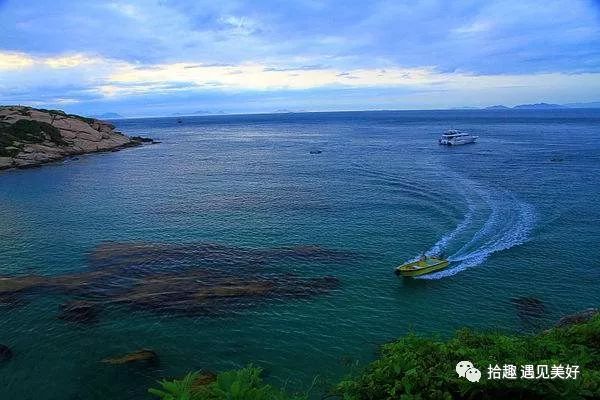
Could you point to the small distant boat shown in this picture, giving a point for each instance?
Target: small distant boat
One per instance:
(424, 265)
(454, 137)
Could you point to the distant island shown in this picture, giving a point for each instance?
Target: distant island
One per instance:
(283, 111)
(198, 112)
(108, 115)
(498, 107)
(30, 137)
(545, 106)
(538, 106)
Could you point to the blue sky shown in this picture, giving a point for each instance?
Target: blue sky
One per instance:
(172, 56)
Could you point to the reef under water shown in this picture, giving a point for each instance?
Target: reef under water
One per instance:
(190, 279)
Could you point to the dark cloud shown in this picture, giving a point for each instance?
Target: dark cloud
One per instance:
(482, 37)
(509, 37)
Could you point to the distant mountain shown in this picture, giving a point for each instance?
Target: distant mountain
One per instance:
(108, 115)
(538, 106)
(593, 104)
(199, 112)
(545, 106)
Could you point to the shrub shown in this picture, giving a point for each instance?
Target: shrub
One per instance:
(53, 112)
(28, 131)
(243, 384)
(415, 367)
(87, 120)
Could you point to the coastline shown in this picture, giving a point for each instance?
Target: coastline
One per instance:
(31, 137)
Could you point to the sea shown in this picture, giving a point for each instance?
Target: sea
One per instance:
(297, 220)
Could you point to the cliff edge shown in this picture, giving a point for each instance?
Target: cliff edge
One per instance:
(31, 137)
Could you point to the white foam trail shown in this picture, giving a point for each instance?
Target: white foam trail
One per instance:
(490, 225)
(509, 224)
(445, 240)
(441, 244)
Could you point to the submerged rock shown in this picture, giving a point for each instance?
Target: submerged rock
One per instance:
(577, 318)
(145, 258)
(5, 353)
(530, 311)
(11, 285)
(529, 306)
(193, 279)
(347, 360)
(144, 355)
(195, 292)
(79, 311)
(11, 300)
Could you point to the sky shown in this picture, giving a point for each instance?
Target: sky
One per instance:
(166, 57)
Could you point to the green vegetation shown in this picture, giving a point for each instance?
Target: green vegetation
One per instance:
(419, 368)
(64, 114)
(53, 112)
(87, 120)
(243, 384)
(26, 131)
(415, 367)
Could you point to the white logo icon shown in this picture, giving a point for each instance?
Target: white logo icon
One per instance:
(462, 367)
(466, 369)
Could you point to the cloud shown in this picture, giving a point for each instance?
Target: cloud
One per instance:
(260, 77)
(155, 48)
(509, 36)
(126, 9)
(70, 61)
(81, 77)
(9, 60)
(475, 27)
(16, 61)
(240, 25)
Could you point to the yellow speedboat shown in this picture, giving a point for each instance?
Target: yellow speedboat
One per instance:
(424, 265)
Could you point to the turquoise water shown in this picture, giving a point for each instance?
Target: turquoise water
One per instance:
(517, 213)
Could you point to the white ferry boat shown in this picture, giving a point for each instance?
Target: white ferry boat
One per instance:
(454, 137)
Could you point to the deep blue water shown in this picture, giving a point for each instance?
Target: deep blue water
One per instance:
(517, 213)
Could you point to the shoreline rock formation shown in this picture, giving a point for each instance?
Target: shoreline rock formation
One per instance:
(30, 137)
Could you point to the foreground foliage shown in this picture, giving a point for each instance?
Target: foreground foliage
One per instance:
(419, 368)
(415, 367)
(243, 384)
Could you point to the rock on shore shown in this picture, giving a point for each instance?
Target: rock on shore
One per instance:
(30, 137)
(578, 318)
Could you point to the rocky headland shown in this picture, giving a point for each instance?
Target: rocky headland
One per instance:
(30, 137)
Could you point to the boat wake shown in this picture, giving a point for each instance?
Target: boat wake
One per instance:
(508, 223)
(495, 220)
